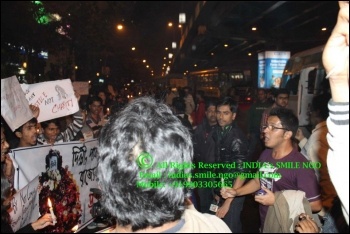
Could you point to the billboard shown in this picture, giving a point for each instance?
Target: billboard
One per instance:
(270, 68)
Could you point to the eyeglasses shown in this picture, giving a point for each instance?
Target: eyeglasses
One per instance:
(273, 128)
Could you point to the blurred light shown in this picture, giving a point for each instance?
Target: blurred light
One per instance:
(119, 27)
(170, 55)
(144, 60)
(97, 74)
(182, 18)
(180, 26)
(76, 67)
(25, 65)
(195, 65)
(147, 66)
(166, 48)
(164, 58)
(89, 81)
(22, 71)
(249, 54)
(132, 81)
(170, 24)
(173, 45)
(254, 28)
(212, 53)
(324, 29)
(226, 45)
(133, 48)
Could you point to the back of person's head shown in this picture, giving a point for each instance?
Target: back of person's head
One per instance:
(200, 93)
(179, 105)
(281, 91)
(31, 121)
(287, 118)
(136, 142)
(230, 102)
(320, 104)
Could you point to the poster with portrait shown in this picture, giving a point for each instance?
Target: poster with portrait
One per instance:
(54, 98)
(66, 172)
(271, 67)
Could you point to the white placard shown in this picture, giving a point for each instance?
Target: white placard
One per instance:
(54, 98)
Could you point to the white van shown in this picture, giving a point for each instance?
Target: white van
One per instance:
(304, 76)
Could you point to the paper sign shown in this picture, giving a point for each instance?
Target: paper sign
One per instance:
(14, 105)
(54, 98)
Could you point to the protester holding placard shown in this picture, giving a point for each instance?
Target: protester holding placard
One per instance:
(51, 133)
(6, 196)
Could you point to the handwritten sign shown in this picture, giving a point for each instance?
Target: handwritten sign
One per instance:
(14, 105)
(24, 205)
(54, 98)
(80, 159)
(81, 87)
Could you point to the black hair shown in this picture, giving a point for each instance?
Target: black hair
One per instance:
(320, 104)
(230, 102)
(136, 140)
(287, 118)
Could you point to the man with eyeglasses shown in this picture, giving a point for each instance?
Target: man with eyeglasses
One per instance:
(282, 167)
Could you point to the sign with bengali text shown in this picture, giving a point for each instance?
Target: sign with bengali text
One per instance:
(78, 162)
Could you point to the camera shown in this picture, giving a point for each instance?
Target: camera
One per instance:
(97, 209)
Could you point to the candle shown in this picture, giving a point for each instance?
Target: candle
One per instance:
(51, 211)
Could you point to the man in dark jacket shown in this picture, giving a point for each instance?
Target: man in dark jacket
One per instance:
(204, 150)
(231, 148)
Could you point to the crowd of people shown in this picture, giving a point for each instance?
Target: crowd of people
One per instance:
(138, 135)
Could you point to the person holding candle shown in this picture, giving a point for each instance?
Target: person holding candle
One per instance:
(6, 196)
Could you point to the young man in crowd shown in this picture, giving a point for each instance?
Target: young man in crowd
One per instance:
(204, 152)
(231, 146)
(279, 132)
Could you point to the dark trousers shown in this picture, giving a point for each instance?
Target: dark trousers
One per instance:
(205, 199)
(233, 216)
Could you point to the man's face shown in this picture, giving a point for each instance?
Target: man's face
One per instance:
(95, 108)
(274, 135)
(224, 115)
(4, 145)
(29, 135)
(282, 100)
(210, 113)
(262, 96)
(51, 132)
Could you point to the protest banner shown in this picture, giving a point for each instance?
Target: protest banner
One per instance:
(24, 205)
(14, 105)
(67, 172)
(81, 87)
(54, 98)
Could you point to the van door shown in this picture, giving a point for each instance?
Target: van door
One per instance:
(308, 87)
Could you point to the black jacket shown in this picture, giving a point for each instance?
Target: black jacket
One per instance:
(231, 146)
(203, 143)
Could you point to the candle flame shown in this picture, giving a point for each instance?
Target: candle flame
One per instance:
(49, 203)
(75, 228)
